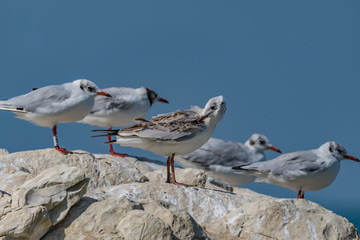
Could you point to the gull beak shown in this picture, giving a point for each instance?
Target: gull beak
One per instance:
(163, 100)
(351, 158)
(102, 93)
(275, 149)
(202, 118)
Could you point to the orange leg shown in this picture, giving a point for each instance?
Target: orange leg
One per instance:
(173, 180)
(112, 149)
(168, 170)
(56, 143)
(301, 194)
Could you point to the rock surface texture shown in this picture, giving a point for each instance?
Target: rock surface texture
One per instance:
(40, 202)
(83, 196)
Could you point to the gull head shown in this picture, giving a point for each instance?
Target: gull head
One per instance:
(153, 97)
(260, 143)
(214, 109)
(338, 151)
(89, 88)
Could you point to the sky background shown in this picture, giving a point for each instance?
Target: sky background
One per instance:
(289, 70)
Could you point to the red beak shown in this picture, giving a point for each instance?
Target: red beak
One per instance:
(102, 93)
(163, 100)
(352, 158)
(275, 149)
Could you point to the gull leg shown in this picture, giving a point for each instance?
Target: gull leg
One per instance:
(173, 180)
(168, 170)
(112, 149)
(56, 142)
(301, 194)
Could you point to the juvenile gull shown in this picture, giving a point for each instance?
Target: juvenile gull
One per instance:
(179, 132)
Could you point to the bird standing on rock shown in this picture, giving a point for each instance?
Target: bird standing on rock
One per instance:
(218, 157)
(125, 105)
(179, 132)
(50, 105)
(301, 171)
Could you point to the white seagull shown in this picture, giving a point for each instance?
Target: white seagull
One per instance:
(218, 157)
(50, 105)
(125, 105)
(179, 132)
(303, 170)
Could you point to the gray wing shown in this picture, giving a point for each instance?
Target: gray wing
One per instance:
(103, 103)
(219, 152)
(288, 165)
(118, 101)
(39, 98)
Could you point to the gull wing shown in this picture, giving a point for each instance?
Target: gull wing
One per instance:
(180, 115)
(162, 131)
(44, 97)
(219, 152)
(287, 166)
(103, 103)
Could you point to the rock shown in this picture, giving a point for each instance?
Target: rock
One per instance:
(128, 199)
(100, 220)
(123, 218)
(283, 219)
(62, 229)
(142, 225)
(57, 189)
(102, 169)
(30, 222)
(183, 226)
(5, 204)
(3, 151)
(221, 185)
(41, 202)
(202, 204)
(243, 214)
(9, 182)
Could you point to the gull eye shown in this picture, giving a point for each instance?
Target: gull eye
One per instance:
(339, 150)
(261, 141)
(90, 89)
(213, 107)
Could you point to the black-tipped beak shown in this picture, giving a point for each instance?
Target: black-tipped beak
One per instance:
(352, 158)
(102, 93)
(275, 149)
(163, 100)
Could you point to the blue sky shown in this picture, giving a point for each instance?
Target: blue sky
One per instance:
(289, 70)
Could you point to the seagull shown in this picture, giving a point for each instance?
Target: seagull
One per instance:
(218, 157)
(125, 105)
(50, 105)
(179, 132)
(301, 171)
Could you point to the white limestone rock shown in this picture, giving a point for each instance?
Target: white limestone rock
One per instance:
(41, 202)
